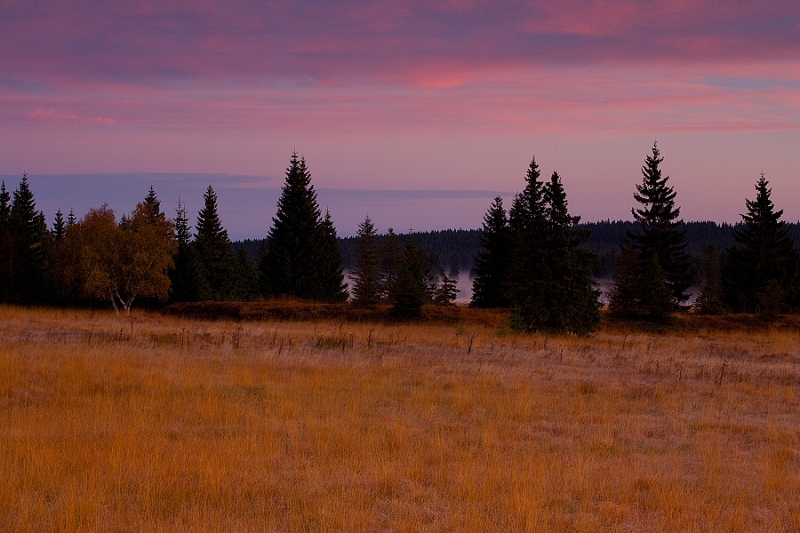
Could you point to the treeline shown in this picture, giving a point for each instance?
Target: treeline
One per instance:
(653, 270)
(536, 262)
(461, 246)
(535, 258)
(146, 257)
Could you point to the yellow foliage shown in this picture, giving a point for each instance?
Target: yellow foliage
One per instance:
(121, 262)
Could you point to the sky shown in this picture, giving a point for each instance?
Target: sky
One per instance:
(453, 96)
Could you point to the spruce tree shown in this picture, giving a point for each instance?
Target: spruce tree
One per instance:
(661, 234)
(298, 255)
(6, 243)
(246, 275)
(366, 274)
(623, 299)
(711, 297)
(152, 207)
(391, 254)
(59, 227)
(529, 274)
(214, 251)
(491, 266)
(446, 293)
(571, 298)
(30, 241)
(413, 286)
(655, 297)
(330, 273)
(764, 257)
(187, 278)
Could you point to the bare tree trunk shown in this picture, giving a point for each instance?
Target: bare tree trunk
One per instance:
(127, 305)
(114, 302)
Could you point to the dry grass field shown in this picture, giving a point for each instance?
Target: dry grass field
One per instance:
(155, 423)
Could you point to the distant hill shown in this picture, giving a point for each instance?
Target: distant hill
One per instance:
(446, 247)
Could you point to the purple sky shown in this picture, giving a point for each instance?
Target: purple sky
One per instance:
(454, 95)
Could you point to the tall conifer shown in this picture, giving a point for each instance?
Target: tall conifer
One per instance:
(214, 251)
(366, 275)
(661, 229)
(529, 273)
(391, 254)
(6, 243)
(491, 266)
(298, 256)
(413, 286)
(570, 297)
(30, 241)
(764, 255)
(187, 278)
(330, 273)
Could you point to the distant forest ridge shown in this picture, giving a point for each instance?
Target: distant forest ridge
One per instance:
(451, 249)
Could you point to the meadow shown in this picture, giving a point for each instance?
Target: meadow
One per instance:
(159, 423)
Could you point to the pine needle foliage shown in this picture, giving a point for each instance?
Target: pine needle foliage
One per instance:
(764, 257)
(214, 251)
(366, 275)
(661, 228)
(188, 280)
(491, 266)
(710, 301)
(28, 247)
(300, 256)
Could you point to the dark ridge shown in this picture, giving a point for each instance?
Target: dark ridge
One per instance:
(462, 246)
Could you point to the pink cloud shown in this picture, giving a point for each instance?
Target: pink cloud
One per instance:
(51, 115)
(336, 42)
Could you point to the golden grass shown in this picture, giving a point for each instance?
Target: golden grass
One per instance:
(155, 423)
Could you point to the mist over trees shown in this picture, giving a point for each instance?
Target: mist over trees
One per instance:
(535, 259)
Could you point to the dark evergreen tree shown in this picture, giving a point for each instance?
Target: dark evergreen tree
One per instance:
(6, 244)
(59, 227)
(623, 299)
(529, 271)
(188, 283)
(29, 247)
(5, 204)
(71, 220)
(446, 293)
(330, 273)
(455, 266)
(655, 297)
(711, 297)
(571, 297)
(639, 290)
(489, 288)
(661, 230)
(214, 251)
(413, 286)
(152, 207)
(298, 256)
(764, 253)
(366, 275)
(246, 287)
(391, 254)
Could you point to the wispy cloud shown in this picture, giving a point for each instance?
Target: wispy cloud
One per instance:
(331, 41)
(51, 115)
